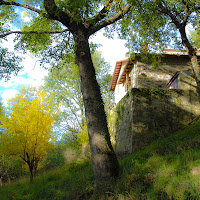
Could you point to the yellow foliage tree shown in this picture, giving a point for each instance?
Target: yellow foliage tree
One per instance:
(28, 128)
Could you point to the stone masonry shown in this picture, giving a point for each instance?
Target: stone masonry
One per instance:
(146, 115)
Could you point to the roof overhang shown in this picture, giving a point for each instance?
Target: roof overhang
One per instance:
(126, 70)
(116, 74)
(116, 79)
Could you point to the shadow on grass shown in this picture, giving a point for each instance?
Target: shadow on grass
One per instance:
(161, 171)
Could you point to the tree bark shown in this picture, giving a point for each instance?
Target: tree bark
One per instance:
(192, 52)
(196, 69)
(31, 175)
(1, 181)
(104, 160)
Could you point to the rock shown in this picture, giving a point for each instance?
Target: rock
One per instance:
(195, 171)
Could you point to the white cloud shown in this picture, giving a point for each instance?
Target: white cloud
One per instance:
(9, 43)
(8, 94)
(189, 29)
(112, 50)
(34, 70)
(32, 75)
(25, 17)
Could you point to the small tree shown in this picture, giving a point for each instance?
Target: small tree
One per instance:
(27, 130)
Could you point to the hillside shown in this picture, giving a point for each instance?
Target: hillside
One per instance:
(161, 171)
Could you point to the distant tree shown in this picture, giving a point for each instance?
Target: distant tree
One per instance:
(64, 81)
(195, 35)
(27, 132)
(10, 168)
(159, 23)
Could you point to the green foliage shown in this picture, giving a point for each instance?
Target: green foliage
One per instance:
(154, 59)
(9, 63)
(36, 42)
(148, 23)
(55, 158)
(196, 37)
(7, 16)
(11, 169)
(76, 144)
(64, 81)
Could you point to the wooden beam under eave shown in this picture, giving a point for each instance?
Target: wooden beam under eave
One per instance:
(126, 70)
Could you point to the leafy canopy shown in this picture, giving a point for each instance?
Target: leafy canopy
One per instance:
(157, 23)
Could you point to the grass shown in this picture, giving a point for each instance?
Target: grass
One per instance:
(161, 171)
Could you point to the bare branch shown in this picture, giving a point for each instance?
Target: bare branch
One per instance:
(110, 20)
(12, 3)
(100, 15)
(33, 32)
(86, 15)
(187, 12)
(165, 10)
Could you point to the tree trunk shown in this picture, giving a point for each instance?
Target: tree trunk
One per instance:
(196, 69)
(31, 174)
(192, 52)
(1, 181)
(104, 160)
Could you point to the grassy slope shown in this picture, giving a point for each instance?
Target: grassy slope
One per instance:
(161, 171)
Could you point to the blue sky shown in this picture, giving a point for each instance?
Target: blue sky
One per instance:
(12, 86)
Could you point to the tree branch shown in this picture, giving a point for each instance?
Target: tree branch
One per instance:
(86, 15)
(100, 15)
(165, 10)
(57, 14)
(187, 12)
(12, 3)
(110, 20)
(33, 32)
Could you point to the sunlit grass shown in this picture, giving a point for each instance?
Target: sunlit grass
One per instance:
(161, 171)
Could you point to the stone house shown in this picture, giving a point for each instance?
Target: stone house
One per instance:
(172, 71)
(152, 103)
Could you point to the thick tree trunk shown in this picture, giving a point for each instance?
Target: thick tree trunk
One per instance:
(192, 52)
(196, 69)
(104, 160)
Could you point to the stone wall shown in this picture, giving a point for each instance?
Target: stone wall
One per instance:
(146, 115)
(157, 77)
